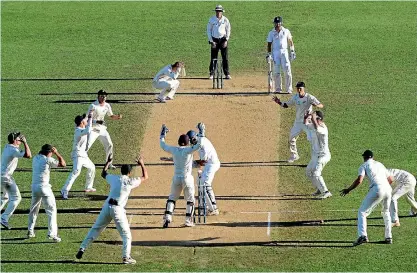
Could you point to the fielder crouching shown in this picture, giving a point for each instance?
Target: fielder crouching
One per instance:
(114, 207)
(183, 179)
(166, 80)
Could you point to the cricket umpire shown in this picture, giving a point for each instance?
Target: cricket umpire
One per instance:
(218, 33)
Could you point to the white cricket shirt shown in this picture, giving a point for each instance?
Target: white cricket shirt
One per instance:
(302, 105)
(376, 173)
(9, 158)
(41, 168)
(319, 139)
(218, 28)
(120, 187)
(182, 156)
(207, 151)
(279, 39)
(167, 73)
(402, 177)
(79, 143)
(99, 111)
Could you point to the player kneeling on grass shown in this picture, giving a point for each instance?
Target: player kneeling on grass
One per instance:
(379, 192)
(80, 157)
(42, 190)
(405, 184)
(166, 80)
(320, 154)
(182, 179)
(9, 189)
(114, 207)
(209, 162)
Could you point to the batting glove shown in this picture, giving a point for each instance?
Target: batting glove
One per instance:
(164, 131)
(292, 55)
(201, 129)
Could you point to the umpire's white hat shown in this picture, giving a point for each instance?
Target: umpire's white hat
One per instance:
(219, 8)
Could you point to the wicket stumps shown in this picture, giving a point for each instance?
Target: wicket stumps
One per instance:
(201, 206)
(218, 74)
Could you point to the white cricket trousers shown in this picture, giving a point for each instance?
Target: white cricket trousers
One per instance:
(296, 130)
(314, 169)
(9, 193)
(377, 194)
(78, 163)
(108, 213)
(165, 85)
(181, 183)
(44, 195)
(100, 131)
(406, 188)
(206, 179)
(282, 60)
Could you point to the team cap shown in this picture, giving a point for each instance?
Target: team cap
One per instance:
(368, 154)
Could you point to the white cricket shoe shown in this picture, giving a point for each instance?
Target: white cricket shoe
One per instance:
(211, 77)
(31, 234)
(161, 100)
(54, 238)
(412, 213)
(213, 212)
(316, 193)
(325, 195)
(167, 221)
(189, 223)
(293, 158)
(228, 77)
(129, 260)
(64, 194)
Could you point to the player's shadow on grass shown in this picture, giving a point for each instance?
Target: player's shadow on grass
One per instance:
(55, 262)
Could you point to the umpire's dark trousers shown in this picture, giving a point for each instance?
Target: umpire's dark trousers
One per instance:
(215, 53)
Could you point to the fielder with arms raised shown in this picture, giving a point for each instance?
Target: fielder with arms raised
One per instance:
(320, 154)
(182, 179)
(379, 192)
(9, 189)
(304, 103)
(210, 164)
(114, 207)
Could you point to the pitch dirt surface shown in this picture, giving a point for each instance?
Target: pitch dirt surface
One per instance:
(243, 126)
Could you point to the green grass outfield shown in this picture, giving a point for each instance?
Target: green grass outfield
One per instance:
(358, 58)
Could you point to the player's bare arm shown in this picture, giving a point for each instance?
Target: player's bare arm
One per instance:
(116, 117)
(279, 102)
(319, 105)
(140, 162)
(313, 119)
(106, 166)
(28, 153)
(61, 160)
(390, 179)
(355, 183)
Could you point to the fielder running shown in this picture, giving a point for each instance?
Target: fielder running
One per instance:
(80, 157)
(320, 154)
(99, 109)
(42, 190)
(379, 192)
(9, 189)
(304, 103)
(182, 179)
(114, 207)
(278, 40)
(405, 185)
(166, 80)
(211, 165)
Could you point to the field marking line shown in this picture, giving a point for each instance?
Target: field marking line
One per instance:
(268, 229)
(303, 211)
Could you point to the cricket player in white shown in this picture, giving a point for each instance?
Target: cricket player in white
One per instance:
(278, 40)
(211, 164)
(80, 157)
(379, 192)
(99, 109)
(405, 184)
(304, 103)
(10, 191)
(182, 179)
(320, 154)
(166, 80)
(114, 207)
(42, 190)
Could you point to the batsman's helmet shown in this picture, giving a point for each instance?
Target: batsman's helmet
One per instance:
(278, 20)
(192, 135)
(183, 140)
(13, 136)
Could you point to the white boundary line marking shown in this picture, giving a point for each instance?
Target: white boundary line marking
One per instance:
(268, 229)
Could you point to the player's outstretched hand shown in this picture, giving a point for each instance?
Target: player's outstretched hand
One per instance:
(139, 159)
(276, 99)
(344, 192)
(22, 138)
(201, 129)
(164, 131)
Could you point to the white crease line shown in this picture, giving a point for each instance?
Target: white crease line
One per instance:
(303, 211)
(268, 229)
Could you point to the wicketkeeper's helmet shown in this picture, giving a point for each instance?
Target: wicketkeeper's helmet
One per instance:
(193, 136)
